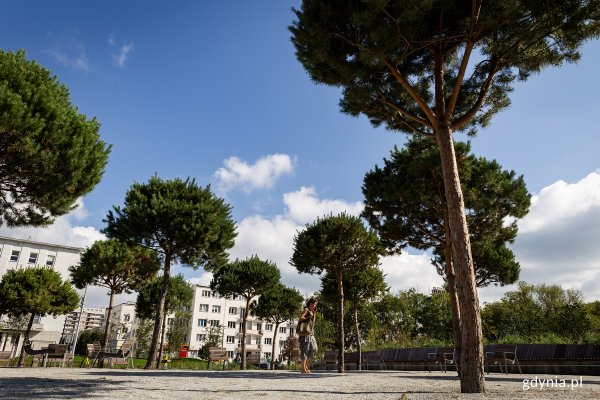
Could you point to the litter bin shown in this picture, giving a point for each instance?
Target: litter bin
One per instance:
(183, 350)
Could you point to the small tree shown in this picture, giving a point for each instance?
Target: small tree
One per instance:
(276, 306)
(336, 244)
(180, 220)
(178, 330)
(116, 266)
(86, 337)
(248, 278)
(179, 298)
(35, 291)
(360, 286)
(50, 153)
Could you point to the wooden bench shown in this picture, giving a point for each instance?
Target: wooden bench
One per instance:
(374, 358)
(443, 356)
(502, 355)
(253, 359)
(5, 357)
(217, 354)
(330, 357)
(60, 354)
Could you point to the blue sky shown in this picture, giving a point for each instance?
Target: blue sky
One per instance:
(213, 91)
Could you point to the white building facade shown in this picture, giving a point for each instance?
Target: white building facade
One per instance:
(212, 313)
(25, 253)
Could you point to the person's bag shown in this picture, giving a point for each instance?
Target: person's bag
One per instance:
(304, 328)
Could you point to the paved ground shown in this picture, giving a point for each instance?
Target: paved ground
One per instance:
(78, 383)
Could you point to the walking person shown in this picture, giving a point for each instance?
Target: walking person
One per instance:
(306, 333)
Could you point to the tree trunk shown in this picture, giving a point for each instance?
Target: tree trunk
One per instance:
(454, 301)
(108, 317)
(160, 311)
(341, 365)
(471, 361)
(244, 330)
(358, 344)
(274, 341)
(22, 353)
(162, 340)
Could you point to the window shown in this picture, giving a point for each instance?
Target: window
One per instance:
(230, 354)
(201, 322)
(282, 343)
(268, 340)
(268, 327)
(249, 325)
(200, 337)
(242, 312)
(230, 339)
(258, 326)
(216, 309)
(214, 322)
(267, 355)
(204, 307)
(231, 324)
(32, 258)
(216, 295)
(282, 329)
(206, 293)
(50, 261)
(232, 310)
(14, 256)
(126, 317)
(257, 340)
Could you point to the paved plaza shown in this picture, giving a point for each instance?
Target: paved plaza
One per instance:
(82, 383)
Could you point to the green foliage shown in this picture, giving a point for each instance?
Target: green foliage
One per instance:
(248, 278)
(335, 244)
(50, 153)
(176, 218)
(177, 331)
(143, 336)
(278, 305)
(406, 205)
(539, 314)
(179, 296)
(404, 63)
(36, 290)
(115, 265)
(86, 337)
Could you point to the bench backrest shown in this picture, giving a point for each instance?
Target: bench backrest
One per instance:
(5, 355)
(253, 358)
(330, 356)
(59, 350)
(217, 354)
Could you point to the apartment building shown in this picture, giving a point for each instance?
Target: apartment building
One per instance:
(213, 314)
(91, 318)
(122, 322)
(25, 253)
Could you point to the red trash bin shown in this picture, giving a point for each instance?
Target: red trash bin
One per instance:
(183, 350)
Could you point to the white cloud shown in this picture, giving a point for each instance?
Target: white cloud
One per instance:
(111, 39)
(64, 230)
(120, 59)
(272, 239)
(304, 206)
(558, 240)
(262, 174)
(79, 62)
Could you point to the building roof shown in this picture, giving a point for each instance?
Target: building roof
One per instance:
(29, 241)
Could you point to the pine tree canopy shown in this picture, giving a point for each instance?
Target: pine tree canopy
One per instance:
(50, 154)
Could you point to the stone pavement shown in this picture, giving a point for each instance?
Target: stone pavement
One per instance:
(85, 383)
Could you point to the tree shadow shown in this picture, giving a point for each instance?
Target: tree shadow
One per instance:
(53, 388)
